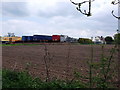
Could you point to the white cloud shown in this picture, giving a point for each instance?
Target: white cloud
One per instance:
(60, 17)
(14, 9)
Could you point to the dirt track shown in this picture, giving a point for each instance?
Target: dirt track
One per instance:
(62, 60)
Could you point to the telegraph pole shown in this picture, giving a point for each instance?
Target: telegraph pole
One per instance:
(118, 44)
(118, 32)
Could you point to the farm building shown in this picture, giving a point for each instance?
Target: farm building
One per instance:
(99, 40)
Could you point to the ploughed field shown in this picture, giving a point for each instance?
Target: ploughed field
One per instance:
(62, 60)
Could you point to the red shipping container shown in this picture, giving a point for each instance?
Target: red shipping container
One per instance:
(56, 38)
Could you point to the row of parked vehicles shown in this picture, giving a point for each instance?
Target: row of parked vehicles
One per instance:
(45, 38)
(38, 38)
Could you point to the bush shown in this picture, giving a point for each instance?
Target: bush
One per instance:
(12, 79)
(117, 38)
(109, 40)
(85, 41)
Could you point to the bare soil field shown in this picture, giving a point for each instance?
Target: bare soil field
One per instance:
(62, 60)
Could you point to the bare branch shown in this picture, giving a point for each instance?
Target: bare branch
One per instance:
(114, 15)
(79, 7)
(81, 2)
(88, 14)
(74, 2)
(114, 2)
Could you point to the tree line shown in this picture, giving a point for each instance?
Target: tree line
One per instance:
(108, 40)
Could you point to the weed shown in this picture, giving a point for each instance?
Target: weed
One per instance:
(68, 61)
(46, 57)
(103, 69)
(90, 66)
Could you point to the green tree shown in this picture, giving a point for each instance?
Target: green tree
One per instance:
(117, 38)
(109, 40)
(85, 41)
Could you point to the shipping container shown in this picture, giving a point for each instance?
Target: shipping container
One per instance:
(11, 39)
(42, 38)
(30, 38)
(24, 38)
(56, 38)
(48, 38)
(63, 38)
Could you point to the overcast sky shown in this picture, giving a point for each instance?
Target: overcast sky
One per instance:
(51, 17)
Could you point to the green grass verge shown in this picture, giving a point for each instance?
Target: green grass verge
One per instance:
(18, 44)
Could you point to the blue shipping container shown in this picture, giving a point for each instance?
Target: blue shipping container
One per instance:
(24, 38)
(42, 38)
(30, 38)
